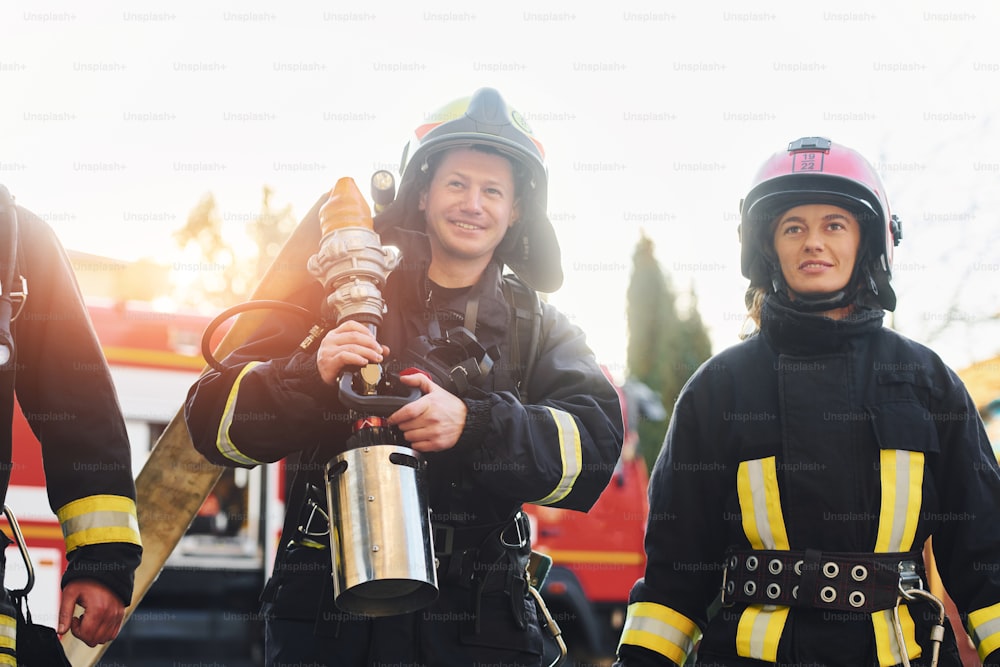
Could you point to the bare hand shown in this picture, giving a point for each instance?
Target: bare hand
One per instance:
(350, 345)
(102, 612)
(434, 422)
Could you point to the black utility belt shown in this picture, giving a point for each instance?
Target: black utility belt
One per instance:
(470, 552)
(840, 581)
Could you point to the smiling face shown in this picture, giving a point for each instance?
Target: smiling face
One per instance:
(469, 205)
(817, 245)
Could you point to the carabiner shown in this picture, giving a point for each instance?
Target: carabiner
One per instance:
(911, 588)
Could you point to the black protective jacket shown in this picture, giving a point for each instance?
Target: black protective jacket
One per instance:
(834, 436)
(556, 445)
(64, 389)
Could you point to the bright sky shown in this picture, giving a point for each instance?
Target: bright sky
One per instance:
(117, 117)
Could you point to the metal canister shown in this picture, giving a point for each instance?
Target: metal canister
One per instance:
(380, 531)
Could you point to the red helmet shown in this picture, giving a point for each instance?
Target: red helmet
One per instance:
(530, 247)
(814, 170)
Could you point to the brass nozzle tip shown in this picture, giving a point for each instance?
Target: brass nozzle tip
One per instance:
(346, 207)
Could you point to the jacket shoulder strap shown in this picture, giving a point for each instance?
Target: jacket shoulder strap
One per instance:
(524, 331)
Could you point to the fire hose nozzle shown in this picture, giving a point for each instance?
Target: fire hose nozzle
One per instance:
(351, 262)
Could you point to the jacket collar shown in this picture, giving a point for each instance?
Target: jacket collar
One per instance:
(794, 332)
(410, 278)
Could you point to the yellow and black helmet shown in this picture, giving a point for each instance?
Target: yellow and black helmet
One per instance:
(530, 247)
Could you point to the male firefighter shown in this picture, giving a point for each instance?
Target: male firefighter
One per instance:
(55, 366)
(472, 198)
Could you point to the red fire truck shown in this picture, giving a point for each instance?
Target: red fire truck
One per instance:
(201, 605)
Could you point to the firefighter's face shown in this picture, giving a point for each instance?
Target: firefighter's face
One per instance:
(817, 245)
(469, 205)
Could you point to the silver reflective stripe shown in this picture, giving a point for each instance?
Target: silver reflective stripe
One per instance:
(663, 630)
(985, 630)
(755, 470)
(758, 631)
(902, 504)
(224, 442)
(100, 519)
(570, 453)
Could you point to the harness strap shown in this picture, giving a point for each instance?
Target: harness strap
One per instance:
(843, 581)
(524, 333)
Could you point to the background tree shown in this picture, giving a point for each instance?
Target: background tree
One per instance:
(664, 349)
(219, 273)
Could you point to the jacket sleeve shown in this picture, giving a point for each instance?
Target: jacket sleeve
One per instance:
(268, 402)
(967, 543)
(562, 447)
(685, 540)
(65, 390)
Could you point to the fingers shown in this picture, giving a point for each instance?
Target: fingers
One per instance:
(433, 422)
(102, 614)
(350, 345)
(66, 608)
(419, 379)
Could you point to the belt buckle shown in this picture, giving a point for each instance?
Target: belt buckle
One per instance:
(316, 513)
(909, 578)
(447, 537)
(17, 297)
(522, 537)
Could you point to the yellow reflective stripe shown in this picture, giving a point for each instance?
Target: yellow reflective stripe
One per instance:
(759, 631)
(224, 442)
(984, 626)
(8, 639)
(100, 519)
(571, 453)
(902, 479)
(760, 504)
(902, 474)
(886, 644)
(661, 629)
(8, 631)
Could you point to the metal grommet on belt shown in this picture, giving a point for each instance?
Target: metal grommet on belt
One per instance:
(830, 569)
(775, 566)
(797, 568)
(828, 594)
(795, 592)
(733, 562)
(856, 598)
(730, 587)
(750, 588)
(752, 563)
(773, 590)
(859, 573)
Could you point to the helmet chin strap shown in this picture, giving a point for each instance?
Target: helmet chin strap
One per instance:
(816, 303)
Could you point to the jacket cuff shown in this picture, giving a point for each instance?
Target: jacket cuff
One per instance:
(112, 565)
(477, 420)
(303, 376)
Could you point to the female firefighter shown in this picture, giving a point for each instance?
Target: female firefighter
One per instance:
(804, 468)
(472, 199)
